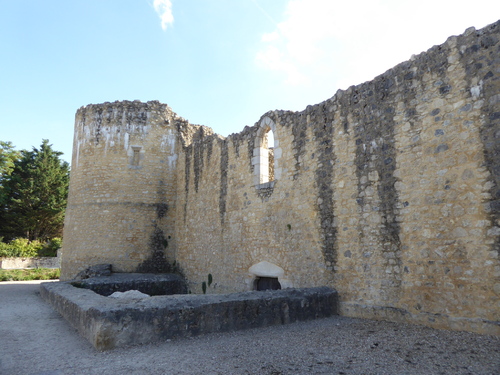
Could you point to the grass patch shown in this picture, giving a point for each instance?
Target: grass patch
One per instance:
(30, 274)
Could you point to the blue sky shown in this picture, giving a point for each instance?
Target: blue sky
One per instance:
(220, 63)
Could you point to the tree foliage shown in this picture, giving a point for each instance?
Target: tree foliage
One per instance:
(34, 195)
(21, 247)
(7, 158)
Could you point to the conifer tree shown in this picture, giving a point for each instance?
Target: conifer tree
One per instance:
(7, 158)
(8, 155)
(35, 195)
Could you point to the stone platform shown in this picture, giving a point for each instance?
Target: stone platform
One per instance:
(109, 322)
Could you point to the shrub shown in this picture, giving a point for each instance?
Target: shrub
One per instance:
(22, 247)
(50, 248)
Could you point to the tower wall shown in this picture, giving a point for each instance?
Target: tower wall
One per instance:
(121, 198)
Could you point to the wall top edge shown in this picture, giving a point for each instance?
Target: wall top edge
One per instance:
(127, 104)
(414, 61)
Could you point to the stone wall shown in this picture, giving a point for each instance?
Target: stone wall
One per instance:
(36, 262)
(109, 323)
(389, 192)
(121, 201)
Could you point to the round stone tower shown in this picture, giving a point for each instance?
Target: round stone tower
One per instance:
(122, 189)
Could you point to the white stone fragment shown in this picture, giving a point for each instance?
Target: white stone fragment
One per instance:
(129, 294)
(476, 90)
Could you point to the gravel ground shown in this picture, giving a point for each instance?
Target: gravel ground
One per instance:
(34, 339)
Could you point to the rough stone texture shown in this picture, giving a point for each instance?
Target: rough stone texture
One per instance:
(37, 262)
(151, 284)
(121, 202)
(389, 191)
(109, 322)
(94, 271)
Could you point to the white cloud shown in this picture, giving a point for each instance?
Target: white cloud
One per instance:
(164, 10)
(309, 42)
(271, 37)
(272, 58)
(340, 43)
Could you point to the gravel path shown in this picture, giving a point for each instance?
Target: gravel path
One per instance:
(34, 339)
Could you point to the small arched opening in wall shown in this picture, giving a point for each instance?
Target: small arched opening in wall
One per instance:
(266, 155)
(266, 283)
(267, 276)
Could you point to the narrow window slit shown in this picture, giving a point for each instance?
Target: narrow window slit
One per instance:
(136, 155)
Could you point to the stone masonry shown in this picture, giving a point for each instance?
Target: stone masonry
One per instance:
(388, 192)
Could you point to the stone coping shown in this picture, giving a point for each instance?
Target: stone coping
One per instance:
(29, 262)
(110, 323)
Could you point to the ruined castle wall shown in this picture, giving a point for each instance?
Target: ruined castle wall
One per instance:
(425, 137)
(121, 204)
(226, 225)
(389, 192)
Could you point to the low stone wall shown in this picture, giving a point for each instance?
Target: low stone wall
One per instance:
(151, 284)
(20, 263)
(109, 322)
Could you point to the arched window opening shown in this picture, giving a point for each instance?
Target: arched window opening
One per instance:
(266, 154)
(268, 146)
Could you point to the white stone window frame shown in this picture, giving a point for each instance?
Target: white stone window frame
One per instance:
(260, 159)
(135, 155)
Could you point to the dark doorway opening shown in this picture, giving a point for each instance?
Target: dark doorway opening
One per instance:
(267, 283)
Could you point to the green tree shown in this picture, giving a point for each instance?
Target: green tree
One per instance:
(35, 194)
(7, 158)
